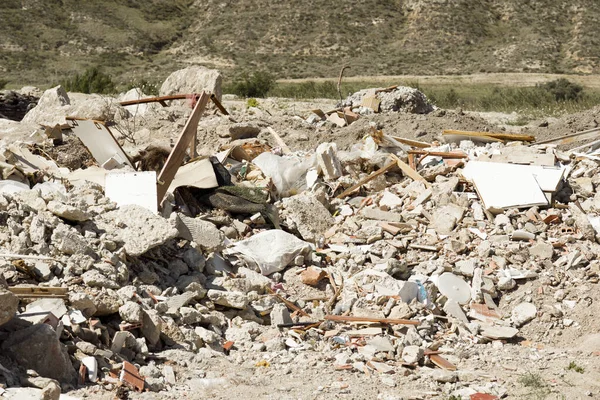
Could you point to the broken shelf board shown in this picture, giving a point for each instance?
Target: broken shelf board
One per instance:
(500, 191)
(547, 177)
(99, 141)
(453, 135)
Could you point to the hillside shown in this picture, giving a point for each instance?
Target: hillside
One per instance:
(42, 41)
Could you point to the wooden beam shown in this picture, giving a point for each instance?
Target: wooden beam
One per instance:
(375, 174)
(39, 292)
(178, 153)
(442, 154)
(408, 171)
(218, 104)
(160, 100)
(498, 136)
(391, 321)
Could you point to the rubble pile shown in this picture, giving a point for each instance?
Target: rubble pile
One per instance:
(395, 259)
(394, 99)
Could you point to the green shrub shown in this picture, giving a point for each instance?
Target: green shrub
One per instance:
(3, 83)
(563, 89)
(91, 81)
(252, 102)
(256, 85)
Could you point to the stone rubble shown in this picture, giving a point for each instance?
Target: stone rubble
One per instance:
(143, 286)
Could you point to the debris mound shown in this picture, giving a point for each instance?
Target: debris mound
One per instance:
(394, 99)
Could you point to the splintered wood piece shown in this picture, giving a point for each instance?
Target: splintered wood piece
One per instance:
(390, 321)
(178, 153)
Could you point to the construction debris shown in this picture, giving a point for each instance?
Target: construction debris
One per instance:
(390, 259)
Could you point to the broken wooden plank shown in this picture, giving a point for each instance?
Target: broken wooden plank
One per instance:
(411, 142)
(389, 321)
(39, 292)
(408, 171)
(375, 174)
(371, 102)
(498, 136)
(442, 362)
(178, 153)
(574, 137)
(443, 154)
(284, 147)
(160, 99)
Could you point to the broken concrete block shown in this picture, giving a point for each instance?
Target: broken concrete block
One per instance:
(445, 218)
(328, 162)
(542, 250)
(280, 315)
(380, 215)
(8, 305)
(205, 234)
(131, 312)
(582, 222)
(151, 326)
(51, 108)
(194, 79)
(38, 348)
(94, 278)
(67, 212)
(523, 313)
(140, 229)
(412, 354)
(228, 299)
(308, 215)
(390, 200)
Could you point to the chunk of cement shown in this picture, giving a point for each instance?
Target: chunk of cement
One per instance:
(195, 79)
(228, 299)
(523, 313)
(8, 305)
(310, 217)
(38, 348)
(139, 228)
(205, 234)
(67, 212)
